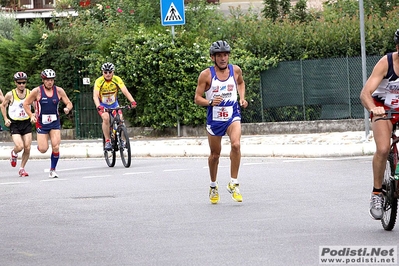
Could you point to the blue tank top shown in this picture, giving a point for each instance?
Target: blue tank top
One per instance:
(228, 110)
(47, 109)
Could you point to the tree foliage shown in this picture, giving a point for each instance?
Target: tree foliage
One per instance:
(161, 69)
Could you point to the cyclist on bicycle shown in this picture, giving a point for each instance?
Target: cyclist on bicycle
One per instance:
(380, 93)
(105, 95)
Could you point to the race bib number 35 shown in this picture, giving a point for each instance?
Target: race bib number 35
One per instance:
(222, 113)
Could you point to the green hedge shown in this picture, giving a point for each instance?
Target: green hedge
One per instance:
(162, 72)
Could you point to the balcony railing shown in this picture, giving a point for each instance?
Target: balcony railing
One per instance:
(40, 4)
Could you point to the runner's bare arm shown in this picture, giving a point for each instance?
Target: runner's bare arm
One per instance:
(64, 98)
(127, 94)
(202, 86)
(3, 107)
(32, 97)
(240, 86)
(379, 72)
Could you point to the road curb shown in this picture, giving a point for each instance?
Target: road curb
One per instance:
(94, 150)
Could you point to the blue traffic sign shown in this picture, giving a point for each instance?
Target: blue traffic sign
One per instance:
(172, 12)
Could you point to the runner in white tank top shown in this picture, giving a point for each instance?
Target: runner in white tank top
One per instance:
(220, 85)
(18, 121)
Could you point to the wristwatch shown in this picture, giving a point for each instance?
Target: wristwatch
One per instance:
(210, 102)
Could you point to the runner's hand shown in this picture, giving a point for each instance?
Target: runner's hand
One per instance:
(378, 111)
(243, 103)
(7, 123)
(217, 100)
(134, 104)
(33, 119)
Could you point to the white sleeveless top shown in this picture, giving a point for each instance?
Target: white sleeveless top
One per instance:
(16, 109)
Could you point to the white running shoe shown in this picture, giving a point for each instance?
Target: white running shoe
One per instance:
(376, 206)
(53, 174)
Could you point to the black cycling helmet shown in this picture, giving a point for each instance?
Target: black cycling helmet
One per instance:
(219, 47)
(396, 37)
(48, 74)
(20, 75)
(108, 67)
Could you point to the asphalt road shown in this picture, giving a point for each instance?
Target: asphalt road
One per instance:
(157, 212)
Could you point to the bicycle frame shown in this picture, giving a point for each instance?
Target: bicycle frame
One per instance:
(394, 151)
(114, 120)
(119, 138)
(390, 179)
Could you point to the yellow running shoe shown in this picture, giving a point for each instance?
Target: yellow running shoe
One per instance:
(234, 191)
(214, 195)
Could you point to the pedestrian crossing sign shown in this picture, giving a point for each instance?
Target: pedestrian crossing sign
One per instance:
(172, 12)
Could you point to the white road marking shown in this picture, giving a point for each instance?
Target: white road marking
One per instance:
(174, 170)
(220, 166)
(53, 180)
(96, 176)
(257, 163)
(70, 169)
(14, 183)
(137, 173)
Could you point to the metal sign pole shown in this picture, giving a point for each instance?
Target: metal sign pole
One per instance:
(172, 13)
(364, 67)
(177, 106)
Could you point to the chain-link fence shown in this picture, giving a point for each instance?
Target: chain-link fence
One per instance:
(307, 90)
(87, 121)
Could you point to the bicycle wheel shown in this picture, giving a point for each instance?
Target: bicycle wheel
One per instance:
(390, 207)
(124, 146)
(110, 156)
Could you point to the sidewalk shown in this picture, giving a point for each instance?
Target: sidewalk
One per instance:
(285, 145)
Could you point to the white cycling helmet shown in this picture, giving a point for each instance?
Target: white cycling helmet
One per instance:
(108, 67)
(20, 75)
(48, 74)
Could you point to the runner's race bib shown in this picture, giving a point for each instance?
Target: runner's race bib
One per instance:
(222, 113)
(109, 99)
(392, 94)
(48, 119)
(392, 100)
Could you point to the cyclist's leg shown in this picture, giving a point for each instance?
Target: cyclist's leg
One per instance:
(382, 136)
(105, 125)
(120, 114)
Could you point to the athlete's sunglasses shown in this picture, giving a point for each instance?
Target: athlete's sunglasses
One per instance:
(23, 82)
(108, 72)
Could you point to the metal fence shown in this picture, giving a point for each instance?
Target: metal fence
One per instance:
(307, 90)
(87, 121)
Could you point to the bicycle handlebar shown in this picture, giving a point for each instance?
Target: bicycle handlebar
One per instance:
(117, 108)
(388, 115)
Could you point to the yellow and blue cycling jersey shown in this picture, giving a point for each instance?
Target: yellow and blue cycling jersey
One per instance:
(108, 90)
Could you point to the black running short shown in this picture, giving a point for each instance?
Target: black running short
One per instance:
(20, 127)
